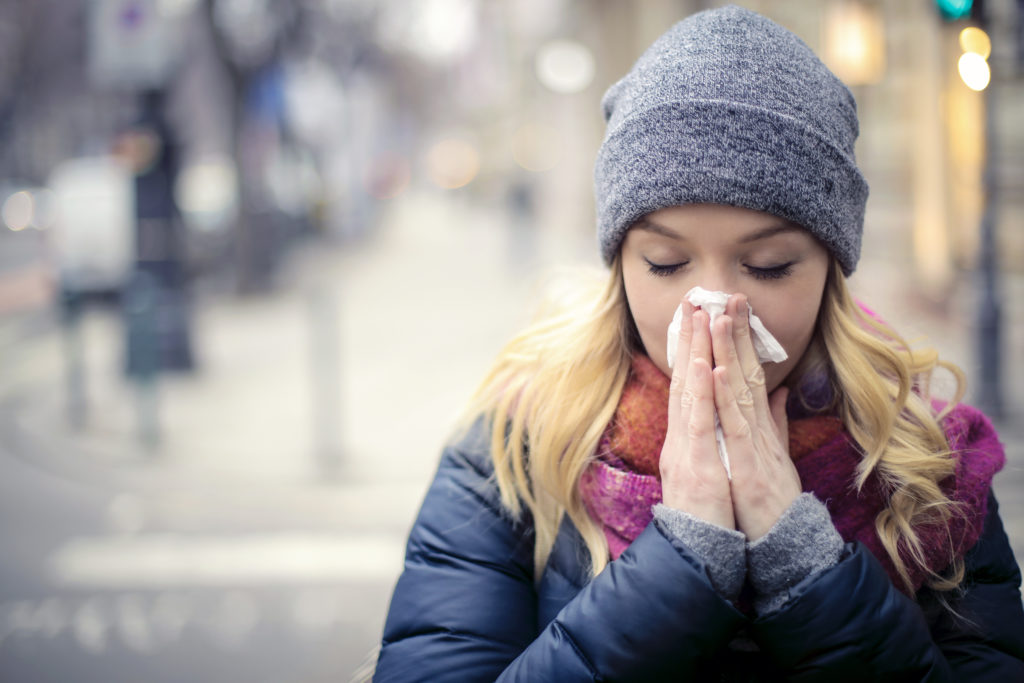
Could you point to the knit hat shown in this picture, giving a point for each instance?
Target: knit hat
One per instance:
(728, 107)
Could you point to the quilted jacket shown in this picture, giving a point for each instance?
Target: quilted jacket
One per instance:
(468, 607)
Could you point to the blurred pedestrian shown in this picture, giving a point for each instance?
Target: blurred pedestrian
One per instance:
(612, 515)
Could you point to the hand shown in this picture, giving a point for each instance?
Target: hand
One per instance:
(764, 479)
(693, 478)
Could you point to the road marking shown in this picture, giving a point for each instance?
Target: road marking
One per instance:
(165, 560)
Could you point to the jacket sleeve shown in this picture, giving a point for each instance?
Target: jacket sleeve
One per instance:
(465, 606)
(881, 634)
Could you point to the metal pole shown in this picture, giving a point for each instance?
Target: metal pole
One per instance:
(990, 389)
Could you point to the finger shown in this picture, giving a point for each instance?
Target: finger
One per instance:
(724, 348)
(777, 403)
(701, 426)
(735, 426)
(681, 367)
(700, 339)
(750, 364)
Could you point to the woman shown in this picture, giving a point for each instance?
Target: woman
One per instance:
(588, 525)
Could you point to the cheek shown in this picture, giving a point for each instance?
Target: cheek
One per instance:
(794, 328)
(652, 307)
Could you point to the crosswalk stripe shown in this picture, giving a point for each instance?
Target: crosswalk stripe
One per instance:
(161, 560)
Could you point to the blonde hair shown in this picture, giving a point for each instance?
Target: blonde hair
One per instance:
(555, 387)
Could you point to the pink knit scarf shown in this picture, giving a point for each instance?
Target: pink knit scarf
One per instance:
(623, 483)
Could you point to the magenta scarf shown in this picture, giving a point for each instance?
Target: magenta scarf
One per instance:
(622, 484)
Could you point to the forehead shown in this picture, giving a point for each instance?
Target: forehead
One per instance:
(715, 222)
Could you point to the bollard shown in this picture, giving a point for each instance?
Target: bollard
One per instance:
(325, 368)
(139, 308)
(71, 314)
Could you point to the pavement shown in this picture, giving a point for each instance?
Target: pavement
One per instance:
(316, 416)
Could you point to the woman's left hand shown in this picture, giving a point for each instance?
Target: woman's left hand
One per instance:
(764, 479)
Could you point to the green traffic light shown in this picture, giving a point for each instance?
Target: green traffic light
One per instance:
(954, 9)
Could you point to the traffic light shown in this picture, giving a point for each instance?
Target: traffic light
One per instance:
(952, 10)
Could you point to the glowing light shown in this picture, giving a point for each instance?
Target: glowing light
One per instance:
(955, 9)
(44, 209)
(435, 30)
(974, 71)
(855, 43)
(565, 66)
(973, 39)
(18, 210)
(387, 176)
(452, 163)
(207, 192)
(536, 147)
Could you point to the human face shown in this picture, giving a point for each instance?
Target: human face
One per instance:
(778, 265)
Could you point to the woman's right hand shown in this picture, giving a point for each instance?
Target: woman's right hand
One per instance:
(693, 478)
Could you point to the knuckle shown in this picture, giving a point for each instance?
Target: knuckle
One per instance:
(677, 385)
(688, 398)
(756, 378)
(697, 430)
(740, 431)
(745, 397)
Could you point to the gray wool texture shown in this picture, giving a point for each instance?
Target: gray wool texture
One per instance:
(722, 550)
(728, 107)
(802, 542)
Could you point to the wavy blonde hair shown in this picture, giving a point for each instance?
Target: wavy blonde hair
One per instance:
(555, 387)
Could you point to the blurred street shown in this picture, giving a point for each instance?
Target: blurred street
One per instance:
(237, 544)
(234, 549)
(256, 255)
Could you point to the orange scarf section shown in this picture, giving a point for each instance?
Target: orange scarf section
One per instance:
(638, 429)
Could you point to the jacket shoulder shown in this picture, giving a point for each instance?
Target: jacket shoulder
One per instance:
(981, 628)
(465, 601)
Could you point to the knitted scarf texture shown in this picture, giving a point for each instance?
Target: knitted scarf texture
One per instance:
(623, 483)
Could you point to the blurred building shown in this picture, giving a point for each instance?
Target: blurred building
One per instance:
(311, 117)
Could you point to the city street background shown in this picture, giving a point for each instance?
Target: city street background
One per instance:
(244, 297)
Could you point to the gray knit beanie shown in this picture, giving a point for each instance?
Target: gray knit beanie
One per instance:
(728, 107)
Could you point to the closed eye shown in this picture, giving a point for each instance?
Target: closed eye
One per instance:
(663, 270)
(772, 273)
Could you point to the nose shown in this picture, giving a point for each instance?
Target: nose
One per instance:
(715, 278)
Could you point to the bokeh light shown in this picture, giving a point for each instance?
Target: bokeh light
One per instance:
(974, 71)
(207, 192)
(565, 66)
(18, 210)
(44, 204)
(854, 45)
(536, 147)
(435, 30)
(973, 39)
(452, 163)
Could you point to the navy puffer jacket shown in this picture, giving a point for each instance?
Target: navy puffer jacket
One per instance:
(467, 607)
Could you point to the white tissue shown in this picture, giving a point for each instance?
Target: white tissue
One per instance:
(713, 303)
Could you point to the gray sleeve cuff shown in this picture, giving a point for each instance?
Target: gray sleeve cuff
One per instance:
(721, 549)
(803, 542)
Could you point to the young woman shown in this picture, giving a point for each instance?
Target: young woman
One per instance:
(608, 516)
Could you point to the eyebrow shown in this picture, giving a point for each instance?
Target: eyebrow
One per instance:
(763, 233)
